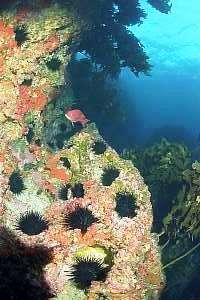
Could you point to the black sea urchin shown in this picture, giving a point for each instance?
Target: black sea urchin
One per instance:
(27, 81)
(63, 193)
(32, 223)
(65, 162)
(78, 190)
(85, 270)
(16, 183)
(80, 218)
(30, 135)
(125, 205)
(21, 34)
(54, 64)
(109, 175)
(99, 147)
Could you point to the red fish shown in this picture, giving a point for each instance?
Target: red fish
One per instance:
(76, 115)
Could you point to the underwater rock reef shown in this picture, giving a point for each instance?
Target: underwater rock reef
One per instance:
(93, 215)
(75, 217)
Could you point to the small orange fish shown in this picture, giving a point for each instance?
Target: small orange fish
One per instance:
(76, 115)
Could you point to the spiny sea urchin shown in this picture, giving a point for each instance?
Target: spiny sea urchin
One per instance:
(109, 175)
(99, 147)
(30, 135)
(65, 162)
(63, 193)
(85, 270)
(126, 205)
(54, 64)
(78, 190)
(27, 81)
(21, 34)
(16, 183)
(32, 223)
(80, 218)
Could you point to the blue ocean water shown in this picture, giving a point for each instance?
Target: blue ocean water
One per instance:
(168, 101)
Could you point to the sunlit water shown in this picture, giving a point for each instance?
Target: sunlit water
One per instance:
(171, 95)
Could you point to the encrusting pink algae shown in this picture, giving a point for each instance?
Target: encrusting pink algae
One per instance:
(94, 215)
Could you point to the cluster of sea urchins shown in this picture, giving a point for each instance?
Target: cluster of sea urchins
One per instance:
(90, 262)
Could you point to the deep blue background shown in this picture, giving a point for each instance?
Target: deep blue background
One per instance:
(168, 101)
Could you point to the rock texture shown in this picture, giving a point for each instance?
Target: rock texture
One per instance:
(78, 217)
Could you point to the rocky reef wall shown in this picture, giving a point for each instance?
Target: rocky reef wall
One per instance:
(75, 218)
